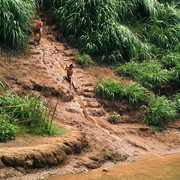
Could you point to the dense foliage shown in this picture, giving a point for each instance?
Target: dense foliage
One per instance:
(27, 111)
(104, 28)
(159, 111)
(148, 73)
(94, 26)
(15, 17)
(7, 129)
(141, 36)
(23, 115)
(83, 59)
(133, 93)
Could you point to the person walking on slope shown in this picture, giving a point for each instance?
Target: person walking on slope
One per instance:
(69, 70)
(38, 31)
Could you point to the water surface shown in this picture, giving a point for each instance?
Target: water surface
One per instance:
(151, 167)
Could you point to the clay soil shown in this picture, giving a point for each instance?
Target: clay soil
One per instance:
(89, 140)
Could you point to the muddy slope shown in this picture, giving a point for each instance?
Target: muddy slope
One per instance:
(42, 74)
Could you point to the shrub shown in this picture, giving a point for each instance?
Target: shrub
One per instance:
(177, 101)
(109, 88)
(83, 59)
(171, 60)
(133, 93)
(159, 111)
(7, 129)
(175, 73)
(94, 25)
(15, 17)
(148, 73)
(27, 111)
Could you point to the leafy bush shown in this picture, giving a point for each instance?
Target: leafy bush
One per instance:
(148, 73)
(171, 60)
(27, 111)
(134, 93)
(7, 129)
(159, 111)
(15, 16)
(109, 88)
(177, 101)
(83, 59)
(94, 25)
(164, 38)
(176, 73)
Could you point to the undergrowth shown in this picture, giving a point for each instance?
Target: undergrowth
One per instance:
(24, 115)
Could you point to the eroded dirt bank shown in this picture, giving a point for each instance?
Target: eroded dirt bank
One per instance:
(90, 140)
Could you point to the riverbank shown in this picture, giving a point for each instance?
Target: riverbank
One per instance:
(93, 139)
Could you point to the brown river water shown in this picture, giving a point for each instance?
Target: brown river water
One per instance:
(149, 167)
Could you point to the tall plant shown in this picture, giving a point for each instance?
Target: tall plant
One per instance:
(27, 111)
(159, 111)
(15, 16)
(133, 93)
(94, 26)
(148, 73)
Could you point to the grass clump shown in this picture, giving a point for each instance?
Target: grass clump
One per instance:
(177, 101)
(133, 93)
(7, 129)
(15, 17)
(171, 60)
(110, 155)
(83, 59)
(28, 111)
(159, 111)
(94, 27)
(148, 73)
(28, 114)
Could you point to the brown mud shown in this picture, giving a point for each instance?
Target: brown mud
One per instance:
(89, 140)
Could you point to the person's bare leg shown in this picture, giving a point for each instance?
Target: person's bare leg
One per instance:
(39, 37)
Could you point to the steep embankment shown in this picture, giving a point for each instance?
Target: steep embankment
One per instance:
(80, 113)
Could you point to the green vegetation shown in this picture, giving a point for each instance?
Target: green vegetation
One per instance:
(148, 73)
(18, 109)
(171, 60)
(7, 130)
(140, 35)
(83, 59)
(94, 26)
(119, 30)
(177, 101)
(133, 93)
(15, 18)
(159, 111)
(24, 115)
(113, 119)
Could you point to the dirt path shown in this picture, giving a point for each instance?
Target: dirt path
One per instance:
(42, 75)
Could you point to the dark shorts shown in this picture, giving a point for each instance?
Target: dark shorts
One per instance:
(68, 79)
(38, 31)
